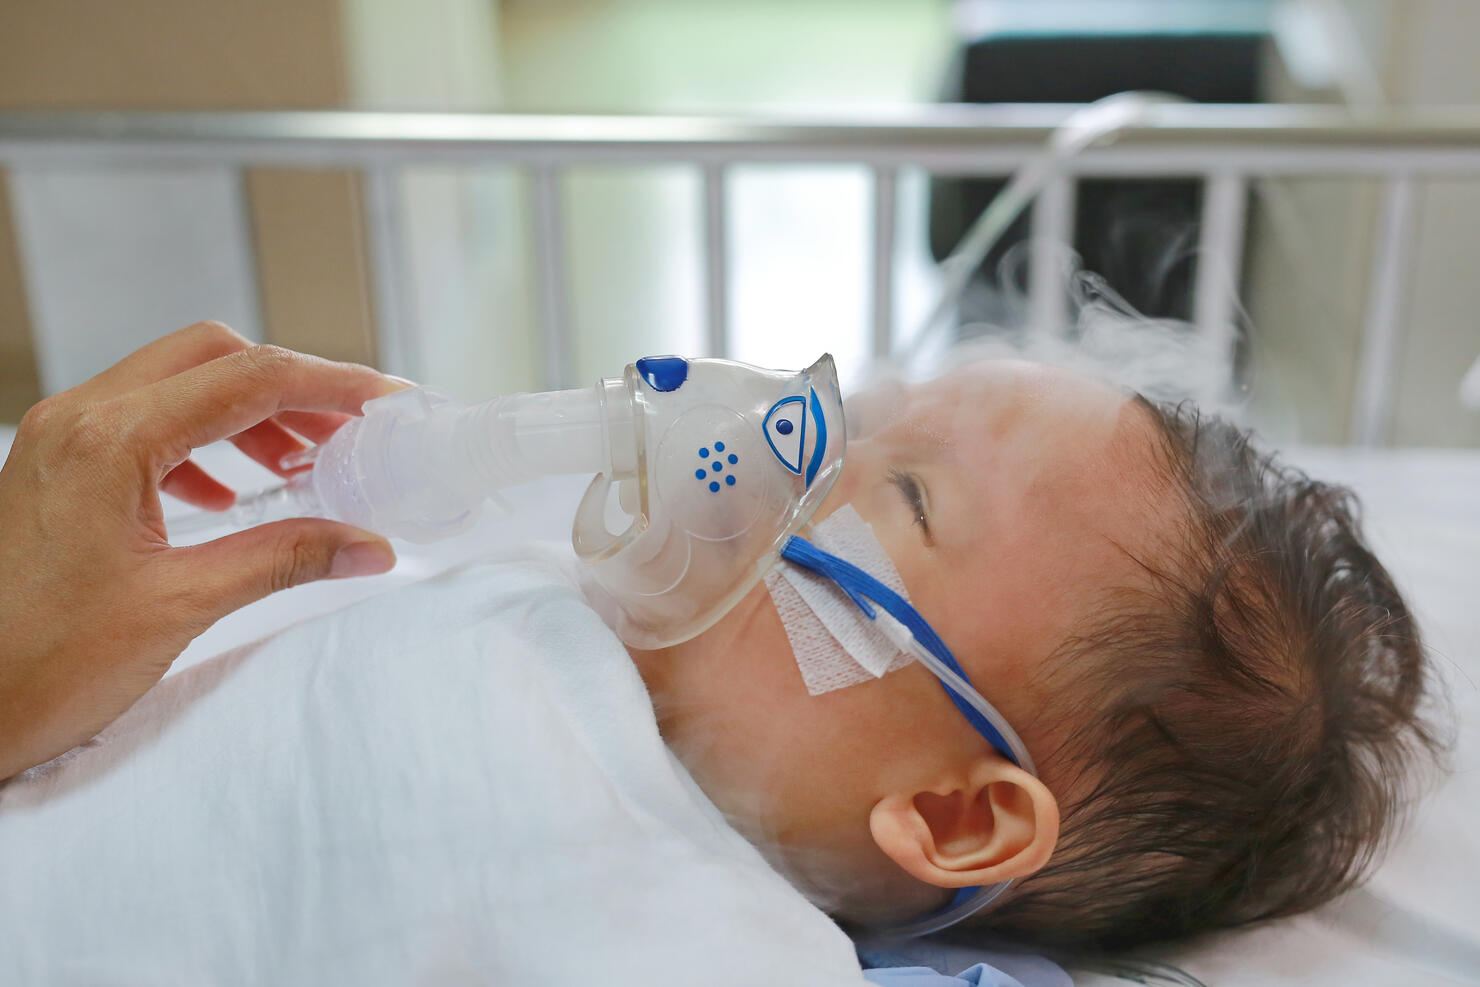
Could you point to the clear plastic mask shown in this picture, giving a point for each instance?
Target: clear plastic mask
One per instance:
(731, 461)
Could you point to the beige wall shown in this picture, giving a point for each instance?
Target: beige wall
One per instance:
(313, 276)
(170, 54)
(1309, 244)
(1430, 59)
(204, 54)
(1312, 248)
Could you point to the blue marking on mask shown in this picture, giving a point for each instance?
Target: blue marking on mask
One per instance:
(819, 446)
(785, 440)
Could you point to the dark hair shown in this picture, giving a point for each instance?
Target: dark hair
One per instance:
(1254, 718)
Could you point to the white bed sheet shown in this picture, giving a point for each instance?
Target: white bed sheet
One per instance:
(1419, 922)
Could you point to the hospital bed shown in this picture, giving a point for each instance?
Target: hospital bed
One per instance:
(1419, 922)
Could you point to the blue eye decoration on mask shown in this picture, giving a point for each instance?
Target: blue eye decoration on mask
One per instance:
(787, 425)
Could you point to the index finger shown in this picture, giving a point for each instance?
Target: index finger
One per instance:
(232, 393)
(164, 357)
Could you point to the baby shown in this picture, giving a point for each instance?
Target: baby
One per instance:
(1219, 683)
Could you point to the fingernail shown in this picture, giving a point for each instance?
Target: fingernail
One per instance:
(362, 558)
(399, 380)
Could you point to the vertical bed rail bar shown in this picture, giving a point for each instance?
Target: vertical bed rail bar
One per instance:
(1220, 252)
(716, 264)
(395, 332)
(1051, 234)
(549, 257)
(886, 192)
(1372, 400)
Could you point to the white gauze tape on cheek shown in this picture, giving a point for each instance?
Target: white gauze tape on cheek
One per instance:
(835, 643)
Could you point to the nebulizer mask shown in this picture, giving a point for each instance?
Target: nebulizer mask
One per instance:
(703, 468)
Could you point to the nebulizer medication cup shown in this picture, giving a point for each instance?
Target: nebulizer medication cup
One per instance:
(423, 467)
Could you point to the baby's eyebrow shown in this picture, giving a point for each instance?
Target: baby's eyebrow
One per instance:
(924, 425)
(925, 437)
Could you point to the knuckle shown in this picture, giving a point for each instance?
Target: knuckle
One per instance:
(211, 331)
(41, 416)
(60, 431)
(96, 434)
(297, 560)
(267, 361)
(181, 601)
(89, 432)
(212, 338)
(58, 438)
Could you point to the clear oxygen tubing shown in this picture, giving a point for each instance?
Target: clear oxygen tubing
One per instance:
(295, 498)
(1098, 123)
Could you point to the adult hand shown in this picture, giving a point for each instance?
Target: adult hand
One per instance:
(96, 603)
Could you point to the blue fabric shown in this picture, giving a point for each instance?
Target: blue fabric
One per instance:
(912, 963)
(980, 975)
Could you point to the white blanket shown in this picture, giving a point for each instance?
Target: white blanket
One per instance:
(460, 782)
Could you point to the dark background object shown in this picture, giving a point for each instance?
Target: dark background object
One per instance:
(1140, 234)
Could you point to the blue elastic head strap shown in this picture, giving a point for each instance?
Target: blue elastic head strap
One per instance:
(866, 592)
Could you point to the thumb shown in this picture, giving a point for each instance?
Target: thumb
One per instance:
(228, 573)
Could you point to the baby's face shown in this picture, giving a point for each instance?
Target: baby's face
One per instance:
(1033, 484)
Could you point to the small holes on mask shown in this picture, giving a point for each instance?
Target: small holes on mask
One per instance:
(716, 466)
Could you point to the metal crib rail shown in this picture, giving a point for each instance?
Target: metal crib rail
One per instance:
(1225, 145)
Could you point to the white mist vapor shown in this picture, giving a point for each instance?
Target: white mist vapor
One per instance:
(1103, 337)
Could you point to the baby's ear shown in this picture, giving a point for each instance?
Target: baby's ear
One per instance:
(989, 822)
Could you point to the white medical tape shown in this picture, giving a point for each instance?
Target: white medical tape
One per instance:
(835, 643)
